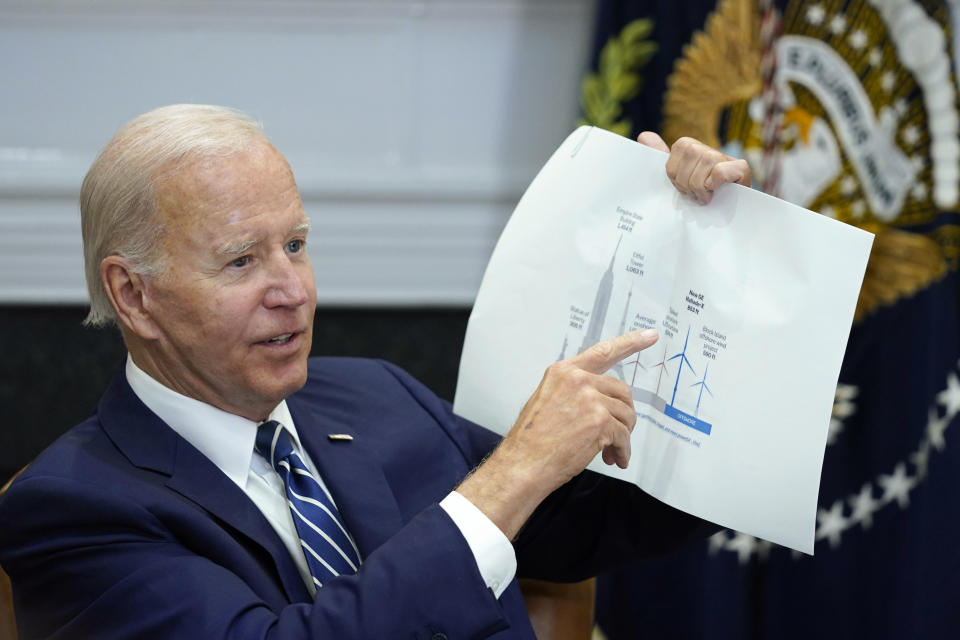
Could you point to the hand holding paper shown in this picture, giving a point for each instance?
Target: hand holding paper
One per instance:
(576, 412)
(753, 300)
(696, 169)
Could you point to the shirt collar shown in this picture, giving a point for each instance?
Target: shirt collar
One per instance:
(225, 438)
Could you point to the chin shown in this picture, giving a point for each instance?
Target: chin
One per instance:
(274, 386)
(293, 379)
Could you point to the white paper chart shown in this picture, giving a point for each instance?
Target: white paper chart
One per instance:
(753, 298)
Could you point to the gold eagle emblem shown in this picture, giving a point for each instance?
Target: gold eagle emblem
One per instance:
(714, 89)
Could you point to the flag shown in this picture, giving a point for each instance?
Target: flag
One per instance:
(850, 109)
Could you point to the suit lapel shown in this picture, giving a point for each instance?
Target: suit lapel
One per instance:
(150, 444)
(350, 469)
(352, 473)
(197, 479)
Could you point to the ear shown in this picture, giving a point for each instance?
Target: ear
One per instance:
(127, 291)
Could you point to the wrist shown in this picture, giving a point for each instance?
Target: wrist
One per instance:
(506, 489)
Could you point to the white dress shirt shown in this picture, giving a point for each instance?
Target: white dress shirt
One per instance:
(228, 441)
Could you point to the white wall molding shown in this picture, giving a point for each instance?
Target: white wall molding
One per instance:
(412, 127)
(265, 13)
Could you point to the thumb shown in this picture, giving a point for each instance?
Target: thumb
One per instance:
(653, 140)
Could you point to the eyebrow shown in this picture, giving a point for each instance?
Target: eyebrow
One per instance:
(237, 248)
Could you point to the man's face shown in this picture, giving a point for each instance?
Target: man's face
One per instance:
(234, 308)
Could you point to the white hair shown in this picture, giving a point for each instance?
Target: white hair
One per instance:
(117, 200)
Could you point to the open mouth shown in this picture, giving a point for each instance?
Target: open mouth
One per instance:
(282, 339)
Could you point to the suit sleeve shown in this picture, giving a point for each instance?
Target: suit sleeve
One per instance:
(119, 556)
(98, 549)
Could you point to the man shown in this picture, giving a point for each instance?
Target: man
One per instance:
(166, 513)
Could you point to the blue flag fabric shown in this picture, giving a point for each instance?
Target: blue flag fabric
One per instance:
(868, 93)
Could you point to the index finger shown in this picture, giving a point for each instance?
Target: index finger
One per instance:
(606, 353)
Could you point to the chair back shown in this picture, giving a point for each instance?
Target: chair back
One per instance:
(560, 611)
(8, 624)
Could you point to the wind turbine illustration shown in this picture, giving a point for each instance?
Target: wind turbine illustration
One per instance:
(663, 365)
(683, 359)
(703, 385)
(636, 363)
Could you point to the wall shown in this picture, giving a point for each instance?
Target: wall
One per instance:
(412, 127)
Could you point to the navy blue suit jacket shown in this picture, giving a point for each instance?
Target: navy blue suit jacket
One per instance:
(122, 529)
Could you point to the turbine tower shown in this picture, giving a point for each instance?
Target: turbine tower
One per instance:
(703, 385)
(683, 360)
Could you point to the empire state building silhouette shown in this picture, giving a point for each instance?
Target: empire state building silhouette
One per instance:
(600, 304)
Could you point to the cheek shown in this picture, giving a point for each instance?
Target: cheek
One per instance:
(311, 288)
(309, 284)
(234, 311)
(173, 308)
(215, 318)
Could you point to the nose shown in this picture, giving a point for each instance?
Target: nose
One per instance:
(286, 285)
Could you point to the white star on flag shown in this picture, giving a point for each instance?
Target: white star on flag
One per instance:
(920, 459)
(763, 548)
(831, 524)
(875, 57)
(744, 545)
(846, 392)
(863, 505)
(897, 486)
(935, 429)
(718, 541)
(836, 426)
(950, 397)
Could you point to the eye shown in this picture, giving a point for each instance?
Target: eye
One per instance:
(242, 261)
(295, 246)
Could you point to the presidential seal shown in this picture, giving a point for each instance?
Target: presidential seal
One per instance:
(867, 128)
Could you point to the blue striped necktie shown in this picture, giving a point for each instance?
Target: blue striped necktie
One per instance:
(328, 548)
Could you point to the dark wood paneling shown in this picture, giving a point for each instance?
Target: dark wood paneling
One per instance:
(52, 370)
